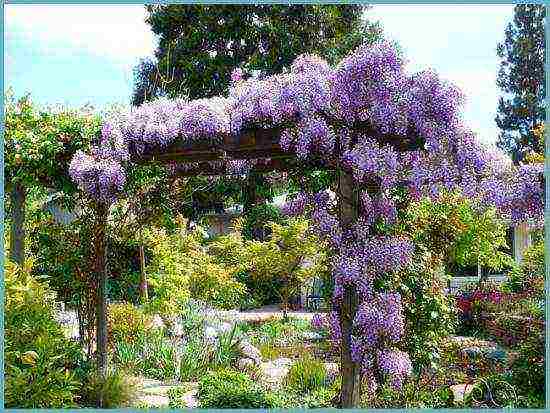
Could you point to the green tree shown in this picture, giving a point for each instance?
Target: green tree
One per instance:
(521, 79)
(200, 45)
(290, 257)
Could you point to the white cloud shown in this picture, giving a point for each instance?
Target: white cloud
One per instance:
(116, 32)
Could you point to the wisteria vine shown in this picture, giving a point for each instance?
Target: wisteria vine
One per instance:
(355, 117)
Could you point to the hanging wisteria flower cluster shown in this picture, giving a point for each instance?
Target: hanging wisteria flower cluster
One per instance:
(103, 178)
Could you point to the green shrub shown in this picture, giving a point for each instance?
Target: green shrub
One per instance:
(113, 391)
(181, 268)
(175, 397)
(306, 375)
(194, 361)
(411, 395)
(528, 370)
(43, 369)
(429, 312)
(257, 220)
(530, 274)
(149, 354)
(229, 389)
(126, 321)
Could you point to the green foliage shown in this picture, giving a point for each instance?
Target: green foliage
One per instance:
(306, 375)
(226, 350)
(62, 253)
(429, 312)
(411, 395)
(39, 144)
(148, 354)
(530, 274)
(126, 321)
(43, 369)
(257, 221)
(290, 257)
(197, 63)
(115, 390)
(528, 370)
(454, 230)
(175, 396)
(229, 389)
(195, 360)
(181, 268)
(521, 79)
(322, 397)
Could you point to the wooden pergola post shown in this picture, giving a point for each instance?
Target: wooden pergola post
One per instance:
(100, 250)
(17, 235)
(350, 371)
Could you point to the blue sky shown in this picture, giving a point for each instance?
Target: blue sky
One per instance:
(81, 54)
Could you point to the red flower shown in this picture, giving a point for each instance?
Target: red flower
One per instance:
(465, 305)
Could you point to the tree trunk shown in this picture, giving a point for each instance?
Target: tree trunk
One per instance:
(351, 372)
(143, 277)
(17, 236)
(101, 308)
(249, 192)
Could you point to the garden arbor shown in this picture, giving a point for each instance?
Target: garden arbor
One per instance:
(390, 136)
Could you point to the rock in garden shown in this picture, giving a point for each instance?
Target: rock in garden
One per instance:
(244, 364)
(312, 336)
(247, 350)
(275, 371)
(460, 391)
(333, 370)
(157, 322)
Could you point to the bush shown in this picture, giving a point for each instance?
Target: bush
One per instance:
(149, 354)
(126, 321)
(43, 369)
(528, 370)
(529, 276)
(175, 397)
(306, 375)
(256, 221)
(429, 312)
(113, 391)
(215, 285)
(182, 268)
(411, 395)
(229, 389)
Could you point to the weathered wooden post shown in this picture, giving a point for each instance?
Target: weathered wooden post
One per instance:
(350, 395)
(17, 236)
(100, 250)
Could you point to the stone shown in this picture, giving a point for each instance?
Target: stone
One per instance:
(460, 391)
(312, 336)
(472, 351)
(247, 350)
(275, 371)
(157, 322)
(190, 399)
(153, 400)
(245, 364)
(333, 370)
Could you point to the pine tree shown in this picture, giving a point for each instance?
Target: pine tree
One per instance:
(521, 79)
